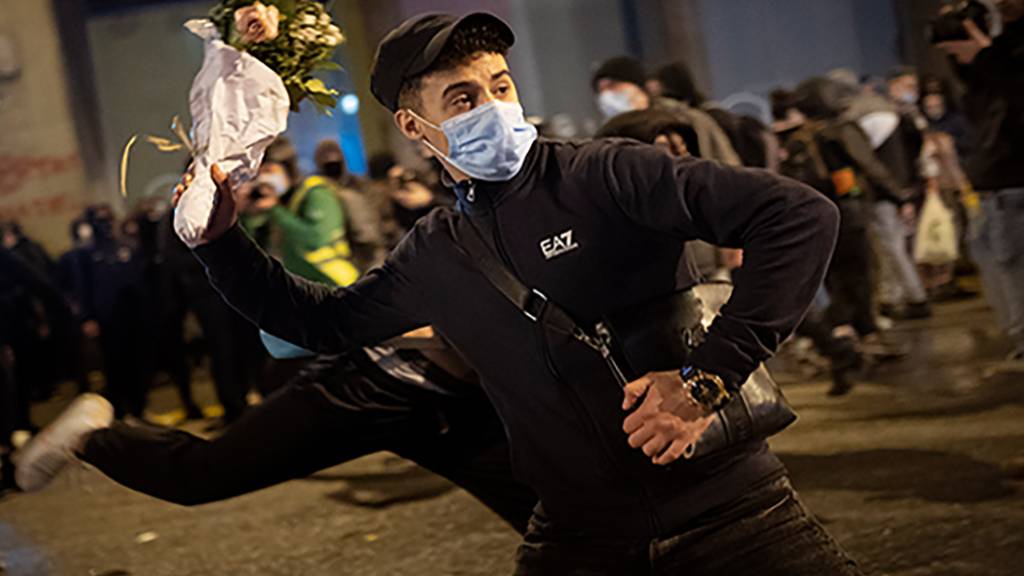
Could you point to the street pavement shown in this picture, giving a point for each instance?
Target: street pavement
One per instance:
(917, 472)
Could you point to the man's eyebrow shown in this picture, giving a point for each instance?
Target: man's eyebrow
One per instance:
(456, 86)
(467, 84)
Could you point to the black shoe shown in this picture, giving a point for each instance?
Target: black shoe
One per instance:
(841, 385)
(917, 311)
(890, 311)
(845, 363)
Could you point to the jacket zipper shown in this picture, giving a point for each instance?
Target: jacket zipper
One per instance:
(579, 404)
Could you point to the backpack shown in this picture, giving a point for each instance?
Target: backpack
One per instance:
(816, 157)
(803, 161)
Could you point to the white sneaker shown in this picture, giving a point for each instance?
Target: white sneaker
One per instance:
(53, 448)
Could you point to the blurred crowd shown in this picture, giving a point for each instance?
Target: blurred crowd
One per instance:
(128, 304)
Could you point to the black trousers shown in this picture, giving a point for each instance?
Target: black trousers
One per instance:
(330, 414)
(849, 280)
(126, 365)
(767, 532)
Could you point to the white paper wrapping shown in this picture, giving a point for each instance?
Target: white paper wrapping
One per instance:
(238, 106)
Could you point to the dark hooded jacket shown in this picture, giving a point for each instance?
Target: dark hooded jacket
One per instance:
(620, 212)
(823, 102)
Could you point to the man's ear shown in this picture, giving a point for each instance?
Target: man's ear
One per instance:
(407, 125)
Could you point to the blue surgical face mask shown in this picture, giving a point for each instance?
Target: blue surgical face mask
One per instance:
(614, 102)
(489, 142)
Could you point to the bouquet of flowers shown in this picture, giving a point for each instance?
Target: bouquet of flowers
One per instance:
(292, 37)
(259, 59)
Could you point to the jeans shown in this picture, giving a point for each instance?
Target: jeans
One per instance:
(767, 532)
(328, 415)
(996, 241)
(900, 282)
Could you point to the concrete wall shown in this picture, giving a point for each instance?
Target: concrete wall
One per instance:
(42, 184)
(754, 45)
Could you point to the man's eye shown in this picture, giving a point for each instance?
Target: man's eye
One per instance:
(502, 90)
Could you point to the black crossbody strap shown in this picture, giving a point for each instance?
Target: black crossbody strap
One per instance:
(533, 303)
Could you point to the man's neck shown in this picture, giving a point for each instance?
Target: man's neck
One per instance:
(457, 176)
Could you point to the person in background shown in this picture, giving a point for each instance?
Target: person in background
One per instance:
(17, 281)
(943, 113)
(31, 252)
(813, 152)
(38, 371)
(408, 195)
(893, 129)
(756, 145)
(236, 355)
(30, 304)
(379, 189)
(992, 70)
(619, 85)
(362, 222)
(73, 269)
(944, 177)
(165, 281)
(835, 157)
(109, 293)
(946, 121)
(313, 241)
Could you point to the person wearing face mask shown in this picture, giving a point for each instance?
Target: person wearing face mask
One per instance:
(619, 85)
(313, 240)
(894, 132)
(362, 221)
(106, 284)
(597, 227)
(942, 110)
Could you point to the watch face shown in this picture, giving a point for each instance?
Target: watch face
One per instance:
(707, 391)
(702, 389)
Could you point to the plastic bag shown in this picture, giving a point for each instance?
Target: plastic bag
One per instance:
(239, 106)
(936, 241)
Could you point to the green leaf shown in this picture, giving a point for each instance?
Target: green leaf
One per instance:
(317, 86)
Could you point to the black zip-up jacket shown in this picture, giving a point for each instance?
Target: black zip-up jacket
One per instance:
(597, 226)
(994, 105)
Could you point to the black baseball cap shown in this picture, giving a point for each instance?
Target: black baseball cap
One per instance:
(415, 45)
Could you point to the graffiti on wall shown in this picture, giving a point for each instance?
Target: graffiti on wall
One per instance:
(32, 174)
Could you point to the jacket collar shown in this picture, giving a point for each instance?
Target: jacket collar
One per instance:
(480, 196)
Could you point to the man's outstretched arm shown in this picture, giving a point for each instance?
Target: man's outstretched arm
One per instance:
(314, 316)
